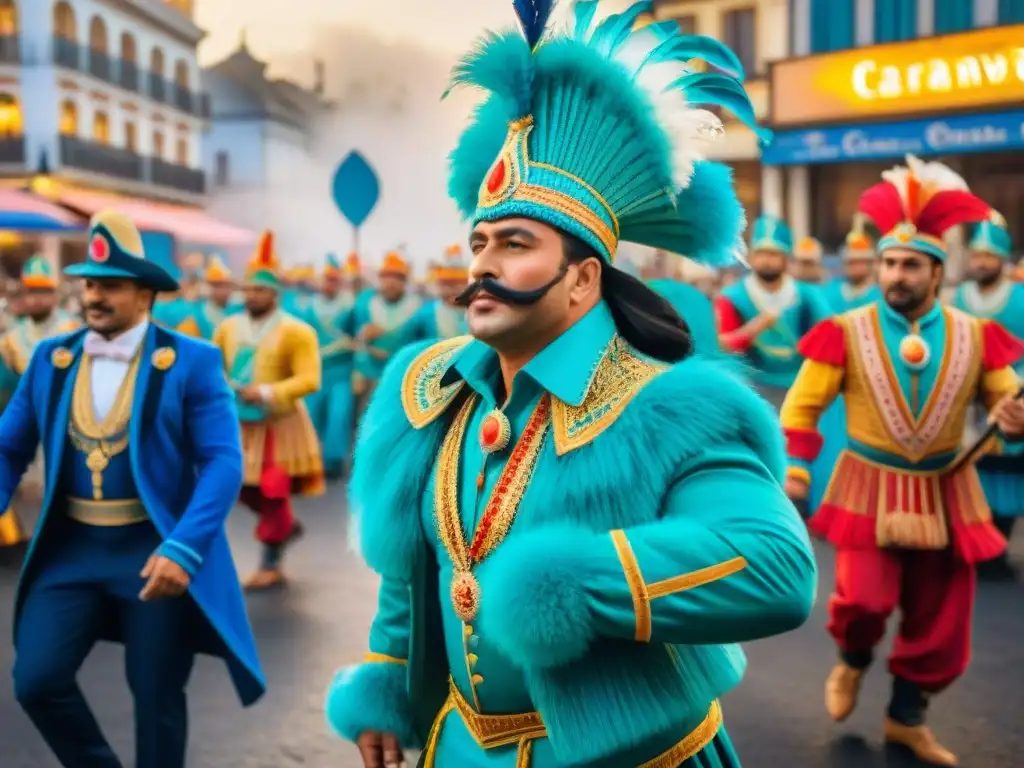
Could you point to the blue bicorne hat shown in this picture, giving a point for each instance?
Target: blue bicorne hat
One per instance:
(115, 251)
(771, 234)
(600, 131)
(992, 236)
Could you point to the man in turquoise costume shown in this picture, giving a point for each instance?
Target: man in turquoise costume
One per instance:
(442, 318)
(143, 465)
(806, 265)
(580, 519)
(763, 316)
(209, 311)
(331, 407)
(856, 288)
(379, 320)
(992, 295)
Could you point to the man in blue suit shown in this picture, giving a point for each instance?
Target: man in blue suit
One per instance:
(143, 463)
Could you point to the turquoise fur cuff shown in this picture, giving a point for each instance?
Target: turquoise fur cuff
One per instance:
(371, 697)
(536, 609)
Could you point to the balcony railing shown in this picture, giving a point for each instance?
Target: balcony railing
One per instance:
(99, 158)
(129, 75)
(182, 98)
(176, 176)
(157, 87)
(67, 53)
(99, 65)
(12, 149)
(10, 49)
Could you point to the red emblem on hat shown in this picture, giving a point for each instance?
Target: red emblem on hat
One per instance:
(99, 249)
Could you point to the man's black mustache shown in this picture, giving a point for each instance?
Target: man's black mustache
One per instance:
(97, 308)
(503, 293)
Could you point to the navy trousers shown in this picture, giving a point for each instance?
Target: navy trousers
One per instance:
(84, 589)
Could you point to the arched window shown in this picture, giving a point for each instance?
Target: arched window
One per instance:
(181, 152)
(98, 35)
(181, 74)
(158, 145)
(68, 118)
(101, 128)
(10, 115)
(8, 18)
(129, 51)
(64, 25)
(156, 62)
(131, 136)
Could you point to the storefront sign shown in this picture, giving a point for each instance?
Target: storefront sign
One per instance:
(949, 136)
(980, 69)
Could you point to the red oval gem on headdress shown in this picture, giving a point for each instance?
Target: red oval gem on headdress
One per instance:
(497, 177)
(99, 249)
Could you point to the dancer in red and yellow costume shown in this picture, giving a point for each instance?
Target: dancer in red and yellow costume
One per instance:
(41, 318)
(273, 362)
(907, 530)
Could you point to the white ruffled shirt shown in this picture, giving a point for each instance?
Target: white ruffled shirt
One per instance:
(111, 360)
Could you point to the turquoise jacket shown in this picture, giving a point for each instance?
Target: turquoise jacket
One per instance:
(332, 319)
(650, 537)
(842, 297)
(696, 309)
(371, 359)
(186, 458)
(434, 320)
(773, 354)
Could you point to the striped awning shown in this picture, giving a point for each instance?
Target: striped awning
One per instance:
(186, 225)
(26, 212)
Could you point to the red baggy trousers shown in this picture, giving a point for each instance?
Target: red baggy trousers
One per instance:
(934, 592)
(271, 500)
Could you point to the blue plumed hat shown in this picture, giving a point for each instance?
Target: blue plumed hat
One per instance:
(116, 251)
(771, 234)
(991, 236)
(600, 131)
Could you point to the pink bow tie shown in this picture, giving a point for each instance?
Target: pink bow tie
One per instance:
(97, 346)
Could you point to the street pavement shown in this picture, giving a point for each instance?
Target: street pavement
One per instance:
(776, 717)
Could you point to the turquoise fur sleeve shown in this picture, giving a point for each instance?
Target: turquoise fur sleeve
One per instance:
(728, 561)
(212, 420)
(374, 695)
(19, 427)
(389, 633)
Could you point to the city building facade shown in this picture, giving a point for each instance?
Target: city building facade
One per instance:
(258, 150)
(873, 80)
(754, 30)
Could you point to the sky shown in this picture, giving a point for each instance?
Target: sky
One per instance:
(281, 26)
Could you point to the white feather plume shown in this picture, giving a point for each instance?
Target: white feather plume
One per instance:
(689, 130)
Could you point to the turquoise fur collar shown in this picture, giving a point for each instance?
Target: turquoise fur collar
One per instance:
(606, 465)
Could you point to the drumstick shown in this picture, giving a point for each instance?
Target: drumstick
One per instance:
(971, 453)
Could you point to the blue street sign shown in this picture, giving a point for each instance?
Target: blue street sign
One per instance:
(939, 136)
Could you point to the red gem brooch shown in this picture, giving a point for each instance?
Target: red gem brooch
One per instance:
(495, 432)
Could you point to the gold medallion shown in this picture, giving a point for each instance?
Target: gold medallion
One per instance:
(96, 461)
(465, 595)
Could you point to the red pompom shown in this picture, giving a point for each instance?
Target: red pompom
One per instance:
(883, 205)
(825, 343)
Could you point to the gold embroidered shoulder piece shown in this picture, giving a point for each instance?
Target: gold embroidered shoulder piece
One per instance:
(618, 378)
(423, 397)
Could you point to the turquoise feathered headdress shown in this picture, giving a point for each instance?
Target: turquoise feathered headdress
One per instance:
(600, 131)
(991, 236)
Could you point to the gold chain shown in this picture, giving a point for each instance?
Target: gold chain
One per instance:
(100, 441)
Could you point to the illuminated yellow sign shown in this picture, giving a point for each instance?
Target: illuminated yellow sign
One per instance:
(984, 69)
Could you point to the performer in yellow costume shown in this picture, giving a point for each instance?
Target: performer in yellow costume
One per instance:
(40, 320)
(272, 363)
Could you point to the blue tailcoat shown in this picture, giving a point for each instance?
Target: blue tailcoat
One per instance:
(186, 458)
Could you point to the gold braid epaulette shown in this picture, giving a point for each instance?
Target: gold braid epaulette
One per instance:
(423, 397)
